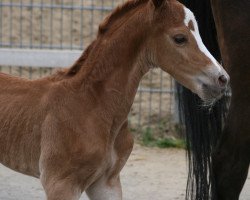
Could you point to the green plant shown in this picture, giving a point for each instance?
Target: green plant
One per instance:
(149, 140)
(147, 137)
(169, 142)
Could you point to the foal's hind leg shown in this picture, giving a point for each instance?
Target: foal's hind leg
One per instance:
(104, 189)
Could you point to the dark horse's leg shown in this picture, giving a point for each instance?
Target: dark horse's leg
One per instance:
(231, 159)
(232, 155)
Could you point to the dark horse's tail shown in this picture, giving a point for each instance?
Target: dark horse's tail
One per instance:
(203, 126)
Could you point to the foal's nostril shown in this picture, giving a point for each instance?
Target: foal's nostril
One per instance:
(223, 80)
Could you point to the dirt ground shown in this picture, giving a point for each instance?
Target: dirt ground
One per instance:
(150, 174)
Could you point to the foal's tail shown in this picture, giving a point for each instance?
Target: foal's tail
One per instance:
(203, 126)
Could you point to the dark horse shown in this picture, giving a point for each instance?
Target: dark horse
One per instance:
(232, 156)
(219, 158)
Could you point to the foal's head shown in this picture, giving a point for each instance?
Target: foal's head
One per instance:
(176, 47)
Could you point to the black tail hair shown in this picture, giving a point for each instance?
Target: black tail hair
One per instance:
(203, 126)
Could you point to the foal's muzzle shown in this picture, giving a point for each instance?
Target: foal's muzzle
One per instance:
(217, 89)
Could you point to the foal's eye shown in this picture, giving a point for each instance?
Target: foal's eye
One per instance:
(180, 39)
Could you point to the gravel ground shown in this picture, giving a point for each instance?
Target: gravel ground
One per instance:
(150, 174)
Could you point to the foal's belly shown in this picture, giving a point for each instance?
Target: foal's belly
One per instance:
(20, 136)
(20, 152)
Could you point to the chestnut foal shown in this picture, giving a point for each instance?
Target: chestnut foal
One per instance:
(70, 129)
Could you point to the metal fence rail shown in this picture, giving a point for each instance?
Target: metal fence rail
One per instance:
(36, 36)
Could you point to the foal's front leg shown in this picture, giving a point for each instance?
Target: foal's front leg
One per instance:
(108, 187)
(63, 189)
(105, 189)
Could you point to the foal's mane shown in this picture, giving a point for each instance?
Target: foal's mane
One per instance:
(119, 12)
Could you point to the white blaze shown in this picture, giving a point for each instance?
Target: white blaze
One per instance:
(189, 16)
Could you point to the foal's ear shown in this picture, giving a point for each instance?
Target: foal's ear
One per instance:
(158, 3)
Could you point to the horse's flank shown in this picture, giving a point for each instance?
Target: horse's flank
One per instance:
(21, 107)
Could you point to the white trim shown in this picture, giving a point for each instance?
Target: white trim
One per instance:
(38, 58)
(190, 17)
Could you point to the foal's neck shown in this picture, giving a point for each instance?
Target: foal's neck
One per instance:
(117, 63)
